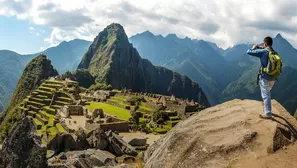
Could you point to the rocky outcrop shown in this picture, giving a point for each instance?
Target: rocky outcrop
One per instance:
(62, 143)
(81, 140)
(118, 146)
(227, 135)
(83, 159)
(96, 139)
(23, 148)
(111, 59)
(133, 141)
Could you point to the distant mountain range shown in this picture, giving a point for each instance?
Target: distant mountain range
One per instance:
(222, 74)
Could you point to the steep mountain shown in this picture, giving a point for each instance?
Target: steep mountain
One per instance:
(82, 76)
(111, 59)
(11, 67)
(35, 72)
(236, 52)
(286, 51)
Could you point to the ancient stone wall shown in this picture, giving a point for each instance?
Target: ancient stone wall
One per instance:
(191, 109)
(116, 126)
(174, 106)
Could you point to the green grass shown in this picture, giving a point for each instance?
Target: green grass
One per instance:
(56, 106)
(120, 98)
(61, 102)
(64, 98)
(42, 91)
(36, 99)
(165, 128)
(119, 102)
(47, 88)
(36, 103)
(48, 108)
(51, 132)
(41, 97)
(60, 128)
(174, 118)
(144, 107)
(51, 117)
(109, 109)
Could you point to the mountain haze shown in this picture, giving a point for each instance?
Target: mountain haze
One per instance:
(65, 57)
(113, 60)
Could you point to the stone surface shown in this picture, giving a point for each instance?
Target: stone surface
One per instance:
(227, 135)
(84, 159)
(81, 140)
(62, 143)
(23, 148)
(119, 146)
(97, 139)
(135, 141)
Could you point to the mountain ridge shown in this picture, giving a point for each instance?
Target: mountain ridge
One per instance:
(111, 59)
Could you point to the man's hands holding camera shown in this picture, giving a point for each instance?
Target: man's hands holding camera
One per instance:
(257, 47)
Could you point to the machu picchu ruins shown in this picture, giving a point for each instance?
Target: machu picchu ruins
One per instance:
(60, 105)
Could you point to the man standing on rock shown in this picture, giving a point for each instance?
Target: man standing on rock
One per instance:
(265, 81)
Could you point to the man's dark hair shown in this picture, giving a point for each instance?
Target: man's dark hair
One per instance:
(268, 41)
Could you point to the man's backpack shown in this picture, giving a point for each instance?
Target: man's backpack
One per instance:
(274, 66)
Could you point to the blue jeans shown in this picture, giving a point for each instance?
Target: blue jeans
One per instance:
(266, 87)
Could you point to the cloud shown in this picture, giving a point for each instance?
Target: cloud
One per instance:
(37, 34)
(31, 28)
(209, 27)
(225, 22)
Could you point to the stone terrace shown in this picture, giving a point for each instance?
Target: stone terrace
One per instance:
(41, 106)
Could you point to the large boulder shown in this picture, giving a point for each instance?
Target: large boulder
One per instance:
(135, 141)
(62, 143)
(118, 146)
(83, 159)
(227, 135)
(81, 140)
(97, 139)
(23, 148)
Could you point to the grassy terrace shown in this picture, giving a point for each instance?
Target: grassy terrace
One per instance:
(60, 128)
(48, 108)
(119, 102)
(165, 129)
(109, 109)
(65, 98)
(51, 117)
(144, 107)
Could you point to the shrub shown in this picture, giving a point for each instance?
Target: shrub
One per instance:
(100, 86)
(157, 116)
(136, 100)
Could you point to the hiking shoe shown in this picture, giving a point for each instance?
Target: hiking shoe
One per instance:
(263, 116)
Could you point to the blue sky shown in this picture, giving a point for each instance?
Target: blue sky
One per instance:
(21, 36)
(225, 22)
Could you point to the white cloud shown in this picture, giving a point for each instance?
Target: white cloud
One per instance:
(226, 22)
(31, 28)
(37, 34)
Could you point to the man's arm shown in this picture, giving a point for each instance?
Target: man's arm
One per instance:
(255, 51)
